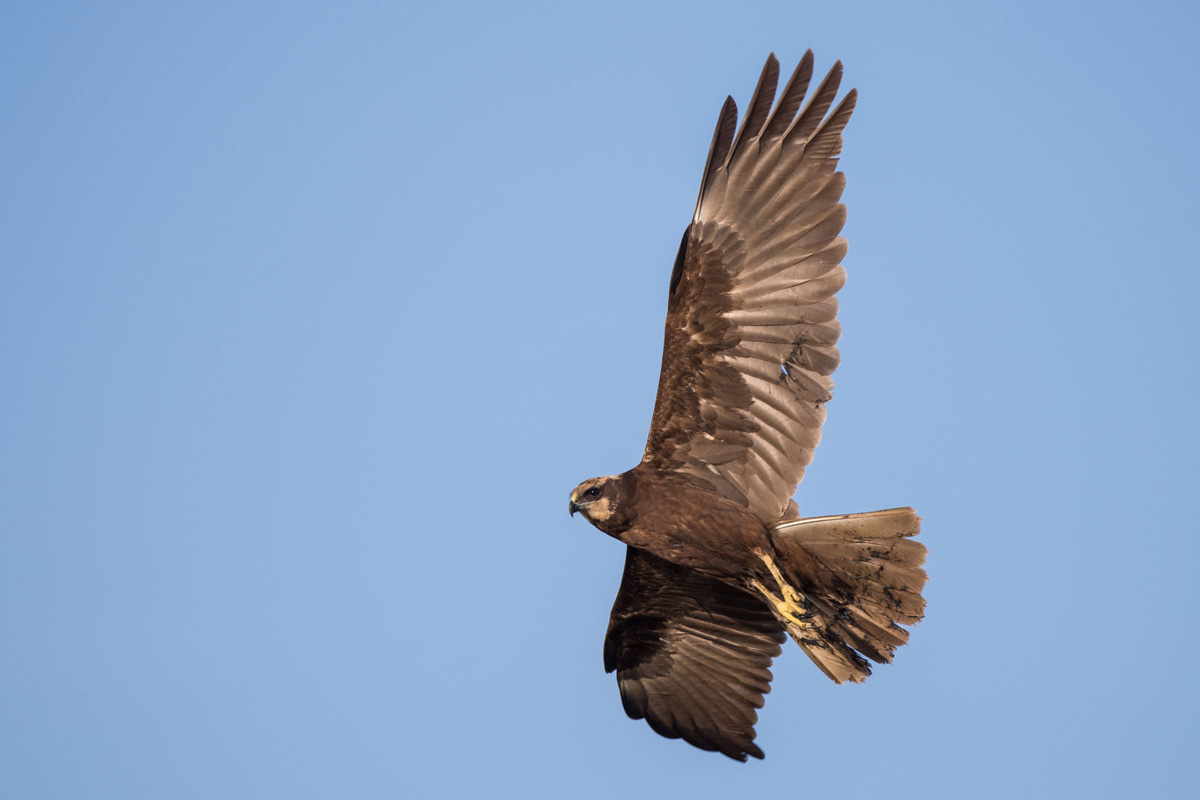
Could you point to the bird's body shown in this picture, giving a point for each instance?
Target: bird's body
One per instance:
(720, 567)
(682, 523)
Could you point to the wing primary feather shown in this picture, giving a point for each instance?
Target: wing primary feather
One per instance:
(779, 234)
(827, 141)
(719, 149)
(758, 109)
(814, 112)
(790, 100)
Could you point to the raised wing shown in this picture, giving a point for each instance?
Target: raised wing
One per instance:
(752, 319)
(692, 654)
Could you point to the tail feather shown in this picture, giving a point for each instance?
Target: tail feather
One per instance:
(862, 577)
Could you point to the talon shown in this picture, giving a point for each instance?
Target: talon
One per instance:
(789, 604)
(790, 608)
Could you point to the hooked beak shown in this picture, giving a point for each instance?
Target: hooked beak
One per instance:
(573, 508)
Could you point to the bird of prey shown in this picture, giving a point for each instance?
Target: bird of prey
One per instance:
(719, 565)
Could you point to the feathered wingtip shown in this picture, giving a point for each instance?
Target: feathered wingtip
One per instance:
(869, 583)
(763, 123)
(718, 150)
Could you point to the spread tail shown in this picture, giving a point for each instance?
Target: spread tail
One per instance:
(861, 578)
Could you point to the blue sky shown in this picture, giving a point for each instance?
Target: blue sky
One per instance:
(312, 315)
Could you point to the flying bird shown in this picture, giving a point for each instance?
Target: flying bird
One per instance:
(720, 568)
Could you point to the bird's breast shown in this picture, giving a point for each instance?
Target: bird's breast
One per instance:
(714, 538)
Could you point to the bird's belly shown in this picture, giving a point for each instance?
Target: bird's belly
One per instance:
(722, 551)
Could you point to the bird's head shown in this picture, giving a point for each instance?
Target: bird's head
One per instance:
(596, 499)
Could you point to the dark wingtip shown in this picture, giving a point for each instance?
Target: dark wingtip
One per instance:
(722, 140)
(739, 752)
(758, 109)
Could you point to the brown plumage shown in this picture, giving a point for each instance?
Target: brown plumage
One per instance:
(719, 566)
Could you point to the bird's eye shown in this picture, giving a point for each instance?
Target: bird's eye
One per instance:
(592, 492)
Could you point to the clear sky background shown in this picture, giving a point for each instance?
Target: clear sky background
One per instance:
(311, 315)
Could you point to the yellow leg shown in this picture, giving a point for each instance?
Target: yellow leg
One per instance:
(790, 603)
(789, 594)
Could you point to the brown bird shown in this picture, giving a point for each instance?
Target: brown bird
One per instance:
(719, 564)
